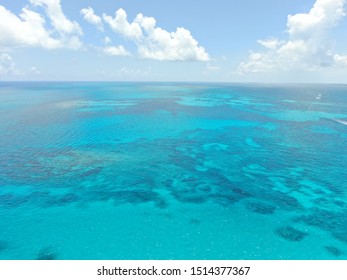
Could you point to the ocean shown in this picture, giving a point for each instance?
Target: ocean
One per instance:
(172, 171)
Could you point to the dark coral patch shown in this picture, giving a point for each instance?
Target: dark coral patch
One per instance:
(190, 198)
(68, 198)
(261, 208)
(91, 172)
(340, 203)
(242, 193)
(291, 234)
(334, 251)
(139, 196)
(226, 199)
(47, 254)
(286, 202)
(225, 185)
(161, 203)
(3, 246)
(334, 222)
(11, 200)
(134, 196)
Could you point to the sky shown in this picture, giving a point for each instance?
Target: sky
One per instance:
(270, 41)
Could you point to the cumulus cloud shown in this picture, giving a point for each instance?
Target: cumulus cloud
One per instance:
(154, 42)
(323, 15)
(270, 43)
(91, 17)
(29, 28)
(340, 60)
(121, 25)
(116, 51)
(307, 46)
(7, 65)
(59, 21)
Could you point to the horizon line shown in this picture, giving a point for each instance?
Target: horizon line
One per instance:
(181, 82)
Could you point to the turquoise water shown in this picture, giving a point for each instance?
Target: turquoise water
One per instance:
(173, 171)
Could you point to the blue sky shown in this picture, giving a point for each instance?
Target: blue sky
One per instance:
(136, 40)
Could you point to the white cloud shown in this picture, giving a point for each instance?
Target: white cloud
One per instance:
(35, 71)
(307, 46)
(258, 63)
(7, 65)
(341, 60)
(116, 51)
(270, 43)
(91, 17)
(29, 28)
(121, 25)
(59, 21)
(323, 15)
(154, 42)
(107, 40)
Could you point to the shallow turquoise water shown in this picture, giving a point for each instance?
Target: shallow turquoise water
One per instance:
(173, 171)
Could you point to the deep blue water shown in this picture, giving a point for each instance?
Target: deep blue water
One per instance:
(173, 171)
